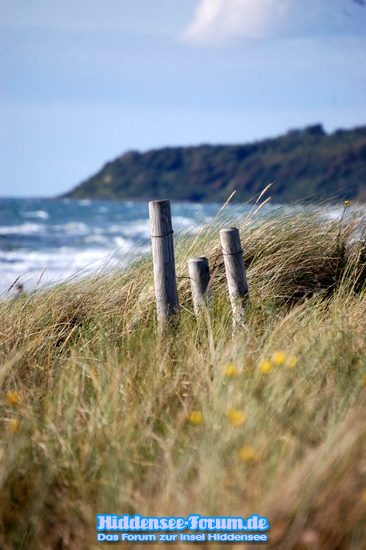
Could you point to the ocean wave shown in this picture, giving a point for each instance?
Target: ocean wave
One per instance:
(95, 238)
(23, 229)
(26, 264)
(36, 214)
(184, 223)
(78, 238)
(333, 214)
(137, 229)
(72, 228)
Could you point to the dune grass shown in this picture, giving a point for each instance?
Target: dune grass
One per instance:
(102, 413)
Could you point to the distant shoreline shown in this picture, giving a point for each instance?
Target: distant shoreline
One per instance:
(305, 165)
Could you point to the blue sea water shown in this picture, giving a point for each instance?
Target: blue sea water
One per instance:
(46, 241)
(43, 242)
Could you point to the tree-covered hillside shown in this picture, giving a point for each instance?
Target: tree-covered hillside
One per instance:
(301, 164)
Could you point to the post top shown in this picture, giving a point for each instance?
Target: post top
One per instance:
(160, 202)
(229, 230)
(197, 260)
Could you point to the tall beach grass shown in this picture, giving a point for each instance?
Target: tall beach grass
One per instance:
(103, 413)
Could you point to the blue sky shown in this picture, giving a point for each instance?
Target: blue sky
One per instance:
(82, 81)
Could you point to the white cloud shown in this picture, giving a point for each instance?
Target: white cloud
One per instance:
(218, 21)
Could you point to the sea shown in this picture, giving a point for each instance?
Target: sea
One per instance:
(44, 242)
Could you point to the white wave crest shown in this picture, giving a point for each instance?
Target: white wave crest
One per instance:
(36, 214)
(24, 229)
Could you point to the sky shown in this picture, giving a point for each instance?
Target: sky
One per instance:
(83, 81)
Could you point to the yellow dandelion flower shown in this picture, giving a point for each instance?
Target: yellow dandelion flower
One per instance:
(247, 454)
(12, 397)
(230, 370)
(13, 425)
(278, 358)
(236, 417)
(265, 366)
(363, 380)
(292, 361)
(195, 417)
(347, 204)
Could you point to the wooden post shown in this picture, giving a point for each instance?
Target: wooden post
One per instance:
(235, 271)
(163, 259)
(199, 274)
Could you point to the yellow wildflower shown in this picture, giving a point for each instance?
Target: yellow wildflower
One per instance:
(13, 425)
(247, 454)
(195, 417)
(236, 417)
(12, 397)
(230, 370)
(292, 361)
(278, 358)
(265, 366)
(347, 204)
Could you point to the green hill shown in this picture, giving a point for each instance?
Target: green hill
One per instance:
(302, 164)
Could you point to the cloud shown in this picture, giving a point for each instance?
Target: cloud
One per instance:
(219, 21)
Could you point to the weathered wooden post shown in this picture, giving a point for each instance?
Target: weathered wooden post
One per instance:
(199, 274)
(163, 259)
(235, 271)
